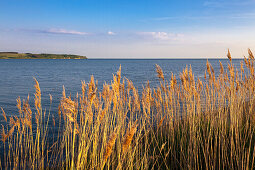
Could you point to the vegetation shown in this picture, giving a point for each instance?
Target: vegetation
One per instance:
(15, 55)
(182, 124)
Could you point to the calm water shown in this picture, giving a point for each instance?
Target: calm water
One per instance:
(16, 76)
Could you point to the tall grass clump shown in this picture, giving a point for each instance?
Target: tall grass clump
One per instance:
(183, 123)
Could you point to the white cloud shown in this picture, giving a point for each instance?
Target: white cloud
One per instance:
(198, 44)
(111, 33)
(160, 35)
(63, 31)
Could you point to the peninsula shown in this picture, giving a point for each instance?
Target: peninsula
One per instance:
(16, 55)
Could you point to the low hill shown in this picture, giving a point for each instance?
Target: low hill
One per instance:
(15, 55)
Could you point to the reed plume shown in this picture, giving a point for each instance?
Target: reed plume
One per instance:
(251, 56)
(109, 146)
(3, 134)
(160, 72)
(128, 138)
(229, 56)
(4, 115)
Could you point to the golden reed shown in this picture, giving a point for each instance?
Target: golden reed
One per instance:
(186, 122)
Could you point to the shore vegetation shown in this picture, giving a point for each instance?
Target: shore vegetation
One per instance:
(16, 55)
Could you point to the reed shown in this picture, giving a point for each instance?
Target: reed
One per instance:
(183, 123)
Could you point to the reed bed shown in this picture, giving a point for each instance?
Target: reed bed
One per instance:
(194, 124)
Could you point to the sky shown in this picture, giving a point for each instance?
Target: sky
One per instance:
(129, 28)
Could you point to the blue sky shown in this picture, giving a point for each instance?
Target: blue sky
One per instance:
(128, 29)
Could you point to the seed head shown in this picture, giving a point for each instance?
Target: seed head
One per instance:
(128, 138)
(160, 72)
(229, 56)
(109, 146)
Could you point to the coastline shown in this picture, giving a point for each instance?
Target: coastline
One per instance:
(16, 55)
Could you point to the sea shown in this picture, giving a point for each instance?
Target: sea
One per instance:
(17, 76)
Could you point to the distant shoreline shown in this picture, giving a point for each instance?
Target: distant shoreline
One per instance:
(16, 55)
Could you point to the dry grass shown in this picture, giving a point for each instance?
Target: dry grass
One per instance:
(194, 124)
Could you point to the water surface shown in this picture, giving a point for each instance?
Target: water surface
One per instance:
(16, 76)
